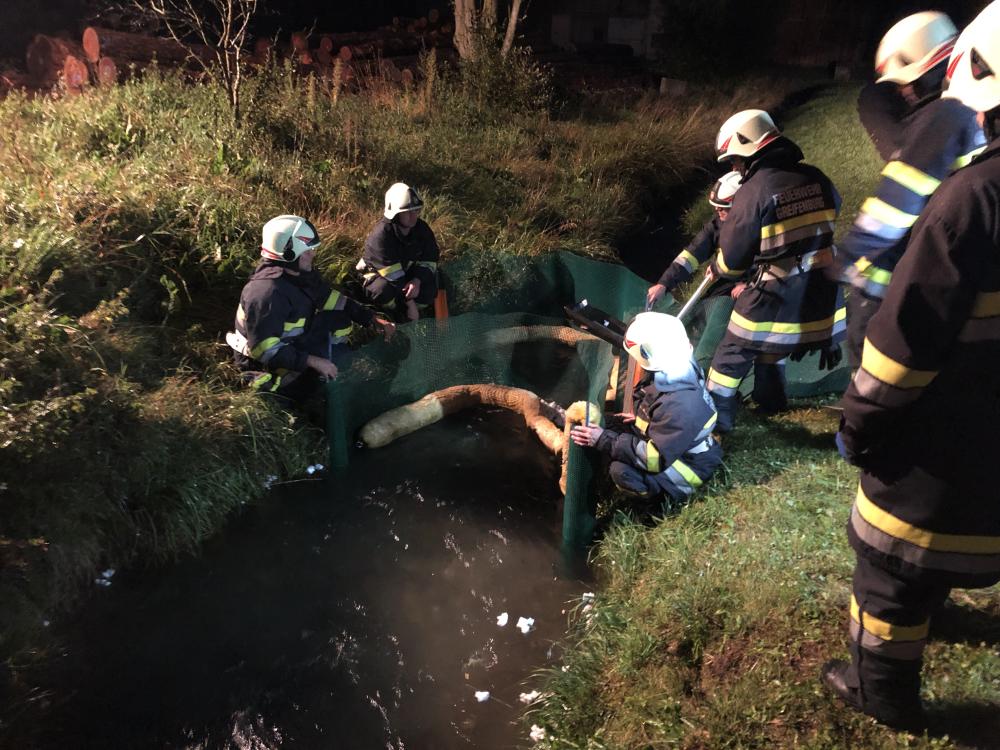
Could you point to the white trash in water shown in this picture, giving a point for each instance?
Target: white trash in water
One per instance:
(482, 695)
(588, 597)
(527, 698)
(310, 470)
(502, 619)
(107, 574)
(537, 733)
(525, 624)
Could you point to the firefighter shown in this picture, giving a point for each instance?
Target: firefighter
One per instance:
(290, 324)
(936, 136)
(666, 449)
(921, 411)
(881, 109)
(780, 230)
(400, 257)
(703, 246)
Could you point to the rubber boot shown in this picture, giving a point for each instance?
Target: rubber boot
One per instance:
(769, 387)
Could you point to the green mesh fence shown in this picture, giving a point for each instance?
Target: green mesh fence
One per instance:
(495, 301)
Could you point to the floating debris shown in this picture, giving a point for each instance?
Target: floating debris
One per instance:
(525, 624)
(537, 733)
(102, 582)
(531, 697)
(502, 619)
(108, 574)
(482, 695)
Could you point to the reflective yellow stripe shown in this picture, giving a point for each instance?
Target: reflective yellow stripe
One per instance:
(772, 230)
(652, 458)
(964, 161)
(775, 327)
(726, 271)
(876, 274)
(263, 380)
(300, 323)
(716, 377)
(263, 346)
(911, 178)
(879, 209)
(332, 300)
(688, 258)
(987, 305)
(714, 418)
(241, 315)
(388, 270)
(889, 524)
(889, 371)
(685, 471)
(642, 424)
(341, 332)
(886, 630)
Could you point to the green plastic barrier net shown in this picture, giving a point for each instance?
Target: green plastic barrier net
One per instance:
(496, 303)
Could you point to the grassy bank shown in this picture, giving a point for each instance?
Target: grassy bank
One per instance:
(129, 222)
(710, 629)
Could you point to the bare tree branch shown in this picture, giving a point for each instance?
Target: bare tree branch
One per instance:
(512, 21)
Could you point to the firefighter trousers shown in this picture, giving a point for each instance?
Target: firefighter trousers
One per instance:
(732, 362)
(889, 622)
(860, 310)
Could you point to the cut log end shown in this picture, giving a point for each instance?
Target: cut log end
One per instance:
(107, 72)
(91, 44)
(75, 74)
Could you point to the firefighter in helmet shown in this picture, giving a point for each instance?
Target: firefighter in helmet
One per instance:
(400, 256)
(926, 517)
(936, 136)
(666, 449)
(290, 324)
(780, 232)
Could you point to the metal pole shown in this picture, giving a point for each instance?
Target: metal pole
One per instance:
(693, 299)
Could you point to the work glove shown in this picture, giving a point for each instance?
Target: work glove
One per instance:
(830, 357)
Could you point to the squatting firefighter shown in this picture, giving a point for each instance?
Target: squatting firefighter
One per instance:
(920, 418)
(704, 245)
(780, 230)
(400, 256)
(936, 136)
(290, 324)
(665, 450)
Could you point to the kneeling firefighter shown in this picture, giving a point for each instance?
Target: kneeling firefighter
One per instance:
(290, 324)
(780, 229)
(666, 448)
(400, 257)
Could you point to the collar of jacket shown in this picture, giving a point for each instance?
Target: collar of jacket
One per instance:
(780, 152)
(688, 381)
(992, 149)
(271, 269)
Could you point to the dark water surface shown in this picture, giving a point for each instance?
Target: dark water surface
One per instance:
(353, 616)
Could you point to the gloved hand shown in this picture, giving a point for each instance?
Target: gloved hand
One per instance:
(830, 357)
(798, 355)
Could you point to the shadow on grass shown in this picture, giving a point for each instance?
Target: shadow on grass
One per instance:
(956, 623)
(970, 724)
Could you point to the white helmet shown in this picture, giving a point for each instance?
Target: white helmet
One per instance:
(745, 133)
(286, 237)
(974, 69)
(658, 342)
(399, 198)
(913, 46)
(724, 189)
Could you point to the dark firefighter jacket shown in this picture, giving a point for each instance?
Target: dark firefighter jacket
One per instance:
(701, 249)
(781, 228)
(921, 416)
(671, 437)
(881, 109)
(285, 318)
(936, 139)
(397, 257)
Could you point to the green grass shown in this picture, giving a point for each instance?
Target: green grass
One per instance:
(710, 628)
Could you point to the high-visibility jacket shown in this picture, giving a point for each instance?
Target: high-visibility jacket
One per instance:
(282, 318)
(780, 229)
(398, 258)
(937, 139)
(671, 437)
(920, 417)
(704, 245)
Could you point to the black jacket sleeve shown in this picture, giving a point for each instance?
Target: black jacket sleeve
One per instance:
(698, 251)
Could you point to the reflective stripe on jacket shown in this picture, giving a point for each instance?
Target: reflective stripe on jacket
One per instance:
(921, 414)
(397, 257)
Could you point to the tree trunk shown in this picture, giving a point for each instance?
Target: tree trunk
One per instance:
(127, 47)
(512, 19)
(46, 57)
(465, 28)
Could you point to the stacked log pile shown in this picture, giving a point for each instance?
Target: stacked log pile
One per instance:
(103, 55)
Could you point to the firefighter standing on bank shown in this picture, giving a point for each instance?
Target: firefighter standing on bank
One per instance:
(922, 412)
(704, 245)
(936, 136)
(400, 257)
(780, 229)
(290, 324)
(666, 449)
